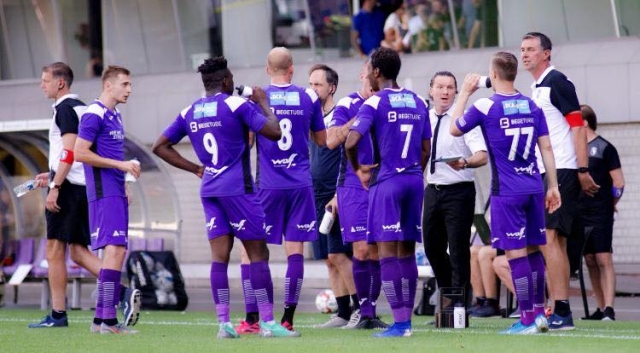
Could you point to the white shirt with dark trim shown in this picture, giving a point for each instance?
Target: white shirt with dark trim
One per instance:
(451, 146)
(556, 95)
(67, 111)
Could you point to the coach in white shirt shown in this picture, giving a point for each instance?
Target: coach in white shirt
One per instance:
(449, 199)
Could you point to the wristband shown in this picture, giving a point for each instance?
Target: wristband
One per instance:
(464, 166)
(617, 193)
(66, 156)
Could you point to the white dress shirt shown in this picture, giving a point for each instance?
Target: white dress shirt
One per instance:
(451, 146)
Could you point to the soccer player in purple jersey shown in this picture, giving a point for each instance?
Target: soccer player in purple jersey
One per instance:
(100, 146)
(218, 126)
(398, 121)
(352, 204)
(284, 178)
(512, 124)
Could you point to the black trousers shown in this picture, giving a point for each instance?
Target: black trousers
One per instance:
(446, 220)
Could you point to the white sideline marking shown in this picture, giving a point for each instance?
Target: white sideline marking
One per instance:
(309, 324)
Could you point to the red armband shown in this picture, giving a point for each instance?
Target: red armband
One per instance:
(66, 156)
(574, 119)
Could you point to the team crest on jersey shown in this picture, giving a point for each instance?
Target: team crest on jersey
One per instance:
(593, 151)
(402, 100)
(205, 110)
(515, 106)
(284, 98)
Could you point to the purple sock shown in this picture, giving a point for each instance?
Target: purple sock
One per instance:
(99, 302)
(523, 285)
(263, 289)
(409, 269)
(391, 277)
(536, 261)
(376, 283)
(293, 279)
(362, 281)
(110, 292)
(250, 305)
(220, 290)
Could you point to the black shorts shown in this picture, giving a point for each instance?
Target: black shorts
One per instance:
(328, 243)
(71, 224)
(601, 238)
(563, 219)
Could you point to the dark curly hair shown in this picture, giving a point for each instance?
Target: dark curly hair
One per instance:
(387, 61)
(212, 71)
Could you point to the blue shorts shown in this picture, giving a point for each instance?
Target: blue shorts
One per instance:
(395, 209)
(241, 216)
(289, 212)
(109, 221)
(353, 205)
(517, 221)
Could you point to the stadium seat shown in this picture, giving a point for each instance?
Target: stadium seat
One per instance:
(24, 255)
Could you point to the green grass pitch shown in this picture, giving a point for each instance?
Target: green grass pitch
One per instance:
(196, 332)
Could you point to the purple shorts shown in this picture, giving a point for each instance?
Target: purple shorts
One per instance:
(241, 216)
(109, 221)
(291, 212)
(517, 221)
(353, 204)
(395, 209)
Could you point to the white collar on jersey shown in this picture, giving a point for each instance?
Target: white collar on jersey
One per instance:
(59, 100)
(544, 74)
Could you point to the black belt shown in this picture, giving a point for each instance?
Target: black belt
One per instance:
(451, 186)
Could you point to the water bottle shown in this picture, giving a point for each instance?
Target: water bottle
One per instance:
(459, 316)
(129, 178)
(24, 188)
(327, 221)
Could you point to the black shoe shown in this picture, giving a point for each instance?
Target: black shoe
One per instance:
(597, 315)
(489, 309)
(609, 314)
(378, 324)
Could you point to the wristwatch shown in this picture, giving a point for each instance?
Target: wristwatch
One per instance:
(583, 170)
(53, 185)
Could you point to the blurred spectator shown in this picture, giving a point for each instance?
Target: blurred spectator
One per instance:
(471, 22)
(416, 37)
(367, 31)
(395, 29)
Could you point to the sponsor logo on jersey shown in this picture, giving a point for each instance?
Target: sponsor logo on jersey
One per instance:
(358, 229)
(211, 224)
(519, 235)
(526, 170)
(284, 98)
(95, 234)
(515, 106)
(116, 134)
(285, 162)
(307, 227)
(205, 110)
(119, 233)
(392, 228)
(402, 100)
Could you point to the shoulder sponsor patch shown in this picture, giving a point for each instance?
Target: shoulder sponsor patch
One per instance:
(205, 110)
(402, 100)
(284, 98)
